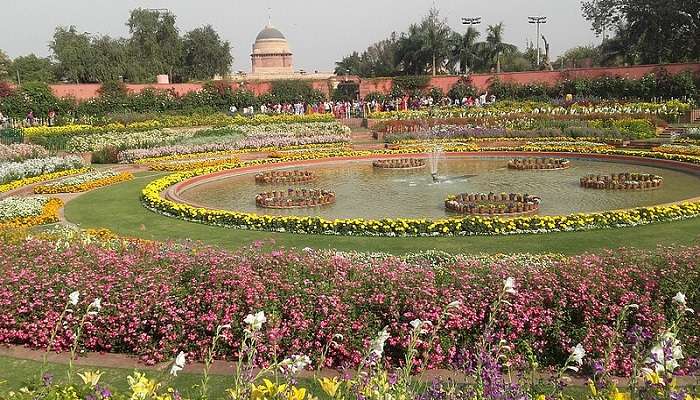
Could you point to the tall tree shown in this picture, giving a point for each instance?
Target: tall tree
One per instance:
(437, 35)
(155, 42)
(31, 68)
(74, 55)
(465, 49)
(205, 54)
(111, 59)
(657, 30)
(495, 45)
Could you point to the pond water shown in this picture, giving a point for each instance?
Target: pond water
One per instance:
(365, 192)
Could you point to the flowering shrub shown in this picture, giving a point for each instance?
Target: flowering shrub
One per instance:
(14, 171)
(162, 299)
(21, 212)
(20, 152)
(459, 226)
(84, 182)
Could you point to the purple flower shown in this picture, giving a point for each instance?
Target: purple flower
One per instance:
(47, 379)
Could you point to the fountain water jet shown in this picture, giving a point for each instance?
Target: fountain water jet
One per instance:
(435, 155)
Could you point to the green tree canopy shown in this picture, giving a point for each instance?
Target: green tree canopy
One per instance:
(74, 54)
(5, 65)
(31, 68)
(654, 31)
(205, 54)
(155, 43)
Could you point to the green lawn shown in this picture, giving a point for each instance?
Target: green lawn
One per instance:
(16, 373)
(119, 209)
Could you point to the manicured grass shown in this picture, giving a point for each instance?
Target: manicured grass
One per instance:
(119, 209)
(16, 373)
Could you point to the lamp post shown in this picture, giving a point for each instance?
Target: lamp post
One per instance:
(538, 21)
(469, 21)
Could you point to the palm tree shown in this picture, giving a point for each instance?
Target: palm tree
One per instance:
(436, 37)
(496, 46)
(465, 49)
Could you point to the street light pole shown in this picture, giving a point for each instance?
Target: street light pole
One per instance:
(469, 21)
(537, 20)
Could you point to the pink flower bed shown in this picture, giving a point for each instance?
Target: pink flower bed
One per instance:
(158, 299)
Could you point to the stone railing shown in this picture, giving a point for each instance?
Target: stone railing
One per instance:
(622, 181)
(399, 163)
(539, 163)
(512, 204)
(273, 177)
(295, 198)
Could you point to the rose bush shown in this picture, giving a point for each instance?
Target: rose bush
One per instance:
(20, 152)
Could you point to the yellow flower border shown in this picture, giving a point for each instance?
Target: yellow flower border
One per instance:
(173, 166)
(459, 226)
(84, 187)
(49, 215)
(41, 178)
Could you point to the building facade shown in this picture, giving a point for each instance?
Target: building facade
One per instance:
(271, 54)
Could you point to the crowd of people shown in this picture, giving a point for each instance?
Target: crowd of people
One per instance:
(359, 109)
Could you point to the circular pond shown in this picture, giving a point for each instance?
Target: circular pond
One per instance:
(363, 191)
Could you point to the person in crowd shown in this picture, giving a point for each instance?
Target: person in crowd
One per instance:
(51, 117)
(30, 118)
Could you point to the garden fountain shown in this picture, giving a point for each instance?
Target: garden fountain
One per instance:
(434, 159)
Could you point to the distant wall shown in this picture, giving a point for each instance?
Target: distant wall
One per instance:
(83, 92)
(482, 81)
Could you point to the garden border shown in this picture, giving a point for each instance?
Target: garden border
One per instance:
(160, 196)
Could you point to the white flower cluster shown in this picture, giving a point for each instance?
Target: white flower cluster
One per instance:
(298, 129)
(26, 169)
(123, 140)
(18, 207)
(83, 178)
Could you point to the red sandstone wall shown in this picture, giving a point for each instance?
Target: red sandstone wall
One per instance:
(384, 85)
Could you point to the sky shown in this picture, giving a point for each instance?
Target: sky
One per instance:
(319, 32)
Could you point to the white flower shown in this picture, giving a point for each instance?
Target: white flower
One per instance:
(509, 286)
(74, 297)
(633, 306)
(179, 364)
(666, 354)
(95, 306)
(255, 322)
(225, 326)
(377, 345)
(295, 363)
(680, 299)
(454, 304)
(420, 326)
(576, 357)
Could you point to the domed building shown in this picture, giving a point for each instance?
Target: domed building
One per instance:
(271, 54)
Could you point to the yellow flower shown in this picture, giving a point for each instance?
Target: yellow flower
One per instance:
(141, 387)
(330, 386)
(616, 395)
(541, 397)
(653, 378)
(296, 394)
(592, 388)
(267, 390)
(91, 378)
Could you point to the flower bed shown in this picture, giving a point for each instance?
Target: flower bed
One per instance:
(622, 181)
(22, 212)
(276, 177)
(121, 141)
(295, 198)
(668, 109)
(84, 182)
(491, 204)
(190, 164)
(470, 225)
(14, 171)
(41, 178)
(539, 164)
(690, 149)
(20, 152)
(160, 299)
(399, 163)
(174, 121)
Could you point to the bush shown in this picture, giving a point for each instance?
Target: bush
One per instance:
(291, 91)
(462, 89)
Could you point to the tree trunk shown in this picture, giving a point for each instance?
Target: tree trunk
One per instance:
(434, 65)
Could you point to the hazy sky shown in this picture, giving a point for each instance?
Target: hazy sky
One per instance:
(319, 32)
